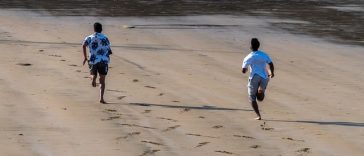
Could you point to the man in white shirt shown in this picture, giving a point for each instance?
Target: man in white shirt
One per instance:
(100, 50)
(258, 80)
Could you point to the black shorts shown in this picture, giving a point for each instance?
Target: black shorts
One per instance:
(101, 68)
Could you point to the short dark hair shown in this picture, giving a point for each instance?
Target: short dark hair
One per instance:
(98, 27)
(255, 44)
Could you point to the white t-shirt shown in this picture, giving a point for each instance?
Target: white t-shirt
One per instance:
(99, 46)
(257, 62)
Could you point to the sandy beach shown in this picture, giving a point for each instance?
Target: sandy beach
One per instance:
(175, 88)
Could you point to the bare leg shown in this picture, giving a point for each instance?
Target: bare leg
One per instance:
(93, 80)
(260, 94)
(102, 88)
(256, 109)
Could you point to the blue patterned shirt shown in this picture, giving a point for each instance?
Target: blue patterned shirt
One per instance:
(99, 46)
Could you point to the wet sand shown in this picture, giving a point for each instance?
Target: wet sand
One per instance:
(175, 88)
(333, 20)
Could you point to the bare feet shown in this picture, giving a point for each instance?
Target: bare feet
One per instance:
(258, 118)
(103, 102)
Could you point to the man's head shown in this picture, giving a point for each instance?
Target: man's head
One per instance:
(255, 44)
(98, 27)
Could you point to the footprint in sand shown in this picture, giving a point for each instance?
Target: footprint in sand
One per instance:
(199, 135)
(24, 64)
(147, 111)
(202, 144)
(291, 139)
(40, 50)
(54, 55)
(186, 109)
(254, 146)
(171, 128)
(264, 127)
(225, 152)
(128, 135)
(173, 120)
(150, 87)
(134, 125)
(73, 65)
(110, 110)
(111, 118)
(161, 94)
(114, 90)
(78, 71)
(121, 97)
(304, 150)
(135, 80)
(153, 143)
(201, 117)
(217, 126)
(149, 152)
(243, 136)
(176, 101)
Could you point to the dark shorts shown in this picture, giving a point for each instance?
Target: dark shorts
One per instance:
(101, 68)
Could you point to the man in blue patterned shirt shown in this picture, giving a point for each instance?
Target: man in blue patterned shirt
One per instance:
(100, 50)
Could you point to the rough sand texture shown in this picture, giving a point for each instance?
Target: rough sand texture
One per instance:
(174, 88)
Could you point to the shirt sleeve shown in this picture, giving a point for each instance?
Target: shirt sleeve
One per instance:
(246, 62)
(267, 59)
(87, 41)
(108, 42)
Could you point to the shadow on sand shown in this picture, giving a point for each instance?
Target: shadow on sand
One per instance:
(337, 123)
(182, 106)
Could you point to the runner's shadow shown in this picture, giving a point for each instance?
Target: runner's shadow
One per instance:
(337, 123)
(182, 106)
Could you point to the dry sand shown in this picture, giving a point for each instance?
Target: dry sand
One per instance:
(174, 88)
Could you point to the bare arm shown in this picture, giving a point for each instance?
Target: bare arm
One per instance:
(271, 67)
(84, 54)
